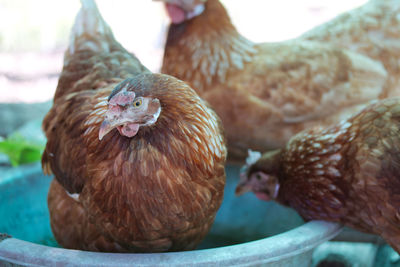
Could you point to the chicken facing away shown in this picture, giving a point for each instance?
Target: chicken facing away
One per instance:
(372, 30)
(264, 93)
(138, 158)
(347, 173)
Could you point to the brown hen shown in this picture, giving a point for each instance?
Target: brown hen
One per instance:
(372, 30)
(138, 158)
(264, 93)
(347, 173)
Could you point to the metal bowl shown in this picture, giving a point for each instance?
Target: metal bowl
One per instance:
(246, 232)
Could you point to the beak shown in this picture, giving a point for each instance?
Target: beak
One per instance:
(242, 189)
(242, 186)
(105, 128)
(126, 128)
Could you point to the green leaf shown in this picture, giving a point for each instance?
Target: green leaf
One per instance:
(19, 150)
(29, 155)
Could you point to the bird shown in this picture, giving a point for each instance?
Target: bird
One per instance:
(137, 157)
(347, 173)
(371, 30)
(264, 93)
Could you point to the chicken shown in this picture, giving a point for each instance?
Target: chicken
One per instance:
(264, 93)
(138, 158)
(372, 30)
(347, 173)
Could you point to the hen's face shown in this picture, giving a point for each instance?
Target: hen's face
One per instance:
(182, 10)
(128, 112)
(264, 186)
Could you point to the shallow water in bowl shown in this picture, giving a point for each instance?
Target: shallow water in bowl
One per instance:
(24, 214)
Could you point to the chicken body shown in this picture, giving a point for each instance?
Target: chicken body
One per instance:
(371, 30)
(265, 93)
(347, 173)
(153, 188)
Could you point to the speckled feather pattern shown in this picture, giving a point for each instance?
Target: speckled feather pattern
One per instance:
(371, 30)
(265, 93)
(177, 161)
(349, 172)
(158, 191)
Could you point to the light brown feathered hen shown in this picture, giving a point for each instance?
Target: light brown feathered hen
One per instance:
(264, 93)
(372, 30)
(347, 173)
(138, 158)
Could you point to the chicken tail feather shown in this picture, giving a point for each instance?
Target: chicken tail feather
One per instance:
(90, 31)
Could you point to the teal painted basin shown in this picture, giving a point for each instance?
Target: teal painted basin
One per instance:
(246, 231)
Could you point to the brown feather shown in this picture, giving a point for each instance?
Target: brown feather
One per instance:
(265, 93)
(157, 191)
(346, 173)
(371, 30)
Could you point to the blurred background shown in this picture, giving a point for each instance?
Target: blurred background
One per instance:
(34, 34)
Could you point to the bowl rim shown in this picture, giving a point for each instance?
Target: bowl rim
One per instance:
(267, 250)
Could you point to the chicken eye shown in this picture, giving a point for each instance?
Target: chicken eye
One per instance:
(137, 103)
(258, 176)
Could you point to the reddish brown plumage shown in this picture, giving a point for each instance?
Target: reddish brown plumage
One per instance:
(265, 93)
(157, 191)
(347, 173)
(371, 30)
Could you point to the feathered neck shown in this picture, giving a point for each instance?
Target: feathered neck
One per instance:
(203, 49)
(186, 128)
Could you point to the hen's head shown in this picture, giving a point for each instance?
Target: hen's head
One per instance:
(182, 10)
(260, 175)
(130, 106)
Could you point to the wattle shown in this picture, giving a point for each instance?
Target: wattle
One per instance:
(176, 13)
(129, 130)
